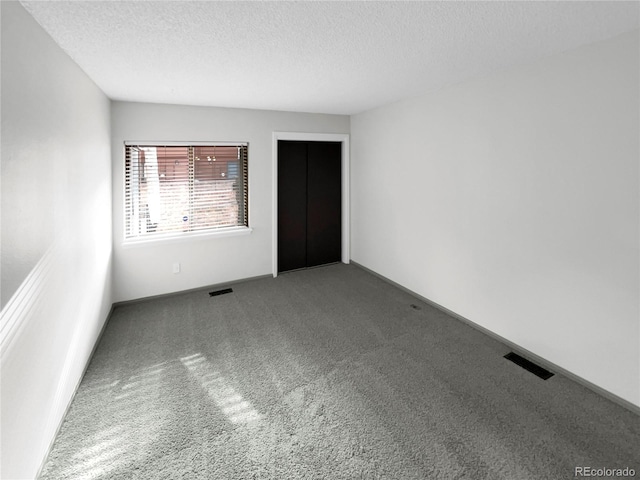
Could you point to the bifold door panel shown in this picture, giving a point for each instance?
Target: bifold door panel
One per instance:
(292, 205)
(324, 203)
(309, 204)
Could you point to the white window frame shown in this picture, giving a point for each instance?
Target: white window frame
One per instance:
(180, 237)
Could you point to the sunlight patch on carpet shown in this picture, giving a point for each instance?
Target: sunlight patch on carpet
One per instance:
(108, 447)
(235, 407)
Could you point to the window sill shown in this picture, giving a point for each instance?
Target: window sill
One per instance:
(186, 237)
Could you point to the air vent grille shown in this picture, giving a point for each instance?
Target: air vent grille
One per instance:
(528, 365)
(220, 292)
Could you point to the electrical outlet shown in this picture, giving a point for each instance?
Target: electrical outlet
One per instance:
(176, 267)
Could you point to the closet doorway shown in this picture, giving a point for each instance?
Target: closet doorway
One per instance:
(310, 204)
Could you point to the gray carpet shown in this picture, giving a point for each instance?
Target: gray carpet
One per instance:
(327, 373)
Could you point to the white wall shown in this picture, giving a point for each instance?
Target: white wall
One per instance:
(143, 271)
(56, 235)
(513, 201)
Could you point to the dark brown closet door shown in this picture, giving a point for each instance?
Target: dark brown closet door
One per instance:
(309, 204)
(292, 205)
(324, 203)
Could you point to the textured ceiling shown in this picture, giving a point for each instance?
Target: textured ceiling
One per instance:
(331, 57)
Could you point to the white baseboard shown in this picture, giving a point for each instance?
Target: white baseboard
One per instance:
(62, 388)
(190, 290)
(520, 350)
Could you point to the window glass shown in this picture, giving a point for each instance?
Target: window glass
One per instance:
(177, 189)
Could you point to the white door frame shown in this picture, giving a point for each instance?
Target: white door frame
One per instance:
(313, 137)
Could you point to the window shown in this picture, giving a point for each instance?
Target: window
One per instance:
(174, 189)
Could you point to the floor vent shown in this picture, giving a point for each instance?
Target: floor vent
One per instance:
(530, 366)
(220, 292)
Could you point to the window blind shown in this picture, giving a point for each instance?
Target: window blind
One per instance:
(172, 189)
